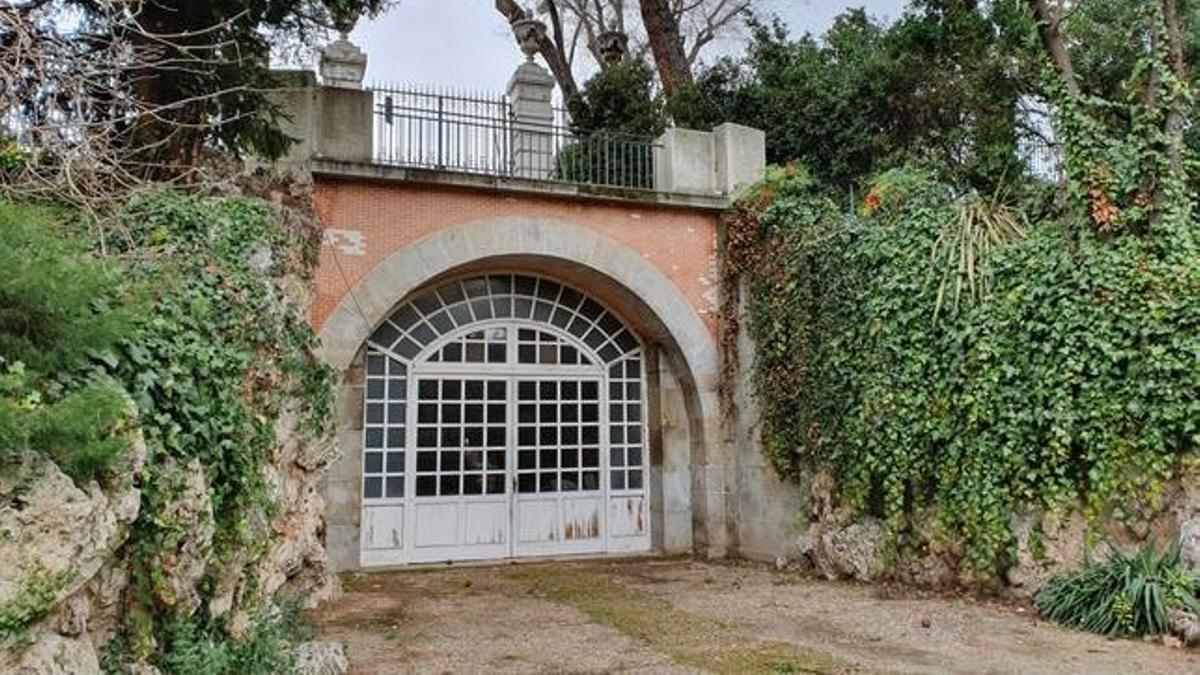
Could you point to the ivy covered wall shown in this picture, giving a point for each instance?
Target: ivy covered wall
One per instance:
(948, 358)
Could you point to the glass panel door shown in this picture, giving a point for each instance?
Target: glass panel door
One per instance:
(559, 500)
(460, 504)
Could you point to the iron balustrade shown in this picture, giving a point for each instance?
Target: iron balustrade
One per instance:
(477, 134)
(1043, 159)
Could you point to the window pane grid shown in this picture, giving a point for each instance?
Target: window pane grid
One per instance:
(460, 427)
(558, 436)
(385, 417)
(542, 348)
(489, 345)
(457, 304)
(461, 437)
(626, 444)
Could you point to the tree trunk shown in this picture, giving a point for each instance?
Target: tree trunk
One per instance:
(662, 29)
(168, 140)
(1176, 120)
(1048, 21)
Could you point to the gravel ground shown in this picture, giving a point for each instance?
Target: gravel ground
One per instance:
(683, 615)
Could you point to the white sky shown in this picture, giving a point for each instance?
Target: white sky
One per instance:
(465, 44)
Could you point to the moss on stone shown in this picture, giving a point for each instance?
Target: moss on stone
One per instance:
(32, 602)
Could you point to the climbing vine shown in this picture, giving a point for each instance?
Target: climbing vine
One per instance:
(224, 353)
(765, 256)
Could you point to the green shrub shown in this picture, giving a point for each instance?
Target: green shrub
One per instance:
(199, 645)
(614, 122)
(1125, 595)
(619, 99)
(607, 158)
(12, 157)
(196, 647)
(61, 307)
(59, 301)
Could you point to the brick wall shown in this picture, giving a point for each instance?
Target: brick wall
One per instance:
(366, 222)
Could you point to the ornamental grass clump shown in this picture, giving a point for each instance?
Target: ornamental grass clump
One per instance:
(1126, 595)
(964, 244)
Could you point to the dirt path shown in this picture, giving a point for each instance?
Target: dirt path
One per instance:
(668, 616)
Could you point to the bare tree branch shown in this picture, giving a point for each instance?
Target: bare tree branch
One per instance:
(713, 22)
(693, 25)
(69, 103)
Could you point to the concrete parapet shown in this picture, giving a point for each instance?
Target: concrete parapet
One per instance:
(703, 162)
(741, 156)
(326, 122)
(684, 161)
(334, 122)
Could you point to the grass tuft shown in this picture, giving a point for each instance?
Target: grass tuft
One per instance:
(687, 639)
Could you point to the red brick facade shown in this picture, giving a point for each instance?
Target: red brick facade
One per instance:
(367, 222)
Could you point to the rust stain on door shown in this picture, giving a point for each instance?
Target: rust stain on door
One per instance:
(586, 528)
(635, 515)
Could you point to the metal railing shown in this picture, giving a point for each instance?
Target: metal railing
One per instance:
(1043, 159)
(431, 129)
(478, 134)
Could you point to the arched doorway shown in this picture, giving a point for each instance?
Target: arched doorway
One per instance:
(504, 416)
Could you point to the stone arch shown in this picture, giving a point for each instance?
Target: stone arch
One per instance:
(642, 294)
(412, 266)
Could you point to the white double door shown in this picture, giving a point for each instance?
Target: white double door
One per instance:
(506, 465)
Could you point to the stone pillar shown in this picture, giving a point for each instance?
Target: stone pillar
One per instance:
(532, 129)
(324, 122)
(683, 161)
(345, 120)
(717, 162)
(741, 156)
(345, 124)
(531, 137)
(331, 120)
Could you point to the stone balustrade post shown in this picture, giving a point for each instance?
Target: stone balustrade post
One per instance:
(531, 139)
(332, 118)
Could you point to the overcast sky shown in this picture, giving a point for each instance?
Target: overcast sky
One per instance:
(465, 43)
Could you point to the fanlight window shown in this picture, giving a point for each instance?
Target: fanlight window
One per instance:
(435, 313)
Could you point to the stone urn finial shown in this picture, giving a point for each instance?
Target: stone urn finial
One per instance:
(613, 46)
(529, 32)
(343, 64)
(344, 22)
